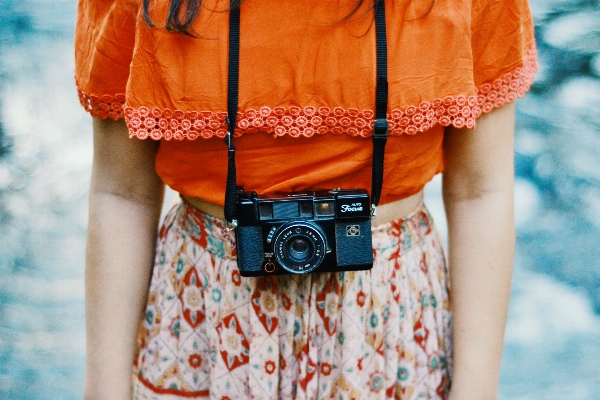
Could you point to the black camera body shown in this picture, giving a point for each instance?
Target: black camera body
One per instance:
(298, 233)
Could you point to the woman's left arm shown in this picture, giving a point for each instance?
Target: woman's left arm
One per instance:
(478, 194)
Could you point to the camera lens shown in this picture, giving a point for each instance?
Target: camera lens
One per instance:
(299, 247)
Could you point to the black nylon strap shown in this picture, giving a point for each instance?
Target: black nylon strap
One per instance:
(232, 105)
(380, 125)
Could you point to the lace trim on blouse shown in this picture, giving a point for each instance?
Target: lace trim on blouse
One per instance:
(103, 107)
(460, 111)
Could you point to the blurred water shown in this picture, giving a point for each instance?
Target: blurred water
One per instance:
(43, 185)
(553, 335)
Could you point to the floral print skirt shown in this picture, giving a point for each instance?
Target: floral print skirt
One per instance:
(379, 334)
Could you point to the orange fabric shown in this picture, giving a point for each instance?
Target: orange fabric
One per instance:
(286, 164)
(303, 74)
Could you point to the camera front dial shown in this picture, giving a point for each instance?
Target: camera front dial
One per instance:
(299, 247)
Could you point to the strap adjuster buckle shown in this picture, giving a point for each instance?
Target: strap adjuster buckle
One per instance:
(381, 127)
(373, 211)
(380, 130)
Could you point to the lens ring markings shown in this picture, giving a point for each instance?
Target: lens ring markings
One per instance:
(299, 247)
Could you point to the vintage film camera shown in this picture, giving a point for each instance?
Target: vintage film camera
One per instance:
(298, 233)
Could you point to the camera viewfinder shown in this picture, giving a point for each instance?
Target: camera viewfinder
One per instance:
(306, 209)
(265, 210)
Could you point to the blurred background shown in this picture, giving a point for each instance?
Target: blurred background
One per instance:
(553, 336)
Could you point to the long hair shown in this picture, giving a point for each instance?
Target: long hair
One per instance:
(183, 13)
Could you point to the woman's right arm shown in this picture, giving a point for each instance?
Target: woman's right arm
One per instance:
(125, 202)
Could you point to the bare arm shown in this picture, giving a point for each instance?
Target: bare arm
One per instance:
(125, 202)
(478, 195)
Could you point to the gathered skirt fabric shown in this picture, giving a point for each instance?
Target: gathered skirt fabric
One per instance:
(209, 333)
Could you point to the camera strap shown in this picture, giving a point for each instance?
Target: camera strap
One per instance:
(232, 105)
(380, 124)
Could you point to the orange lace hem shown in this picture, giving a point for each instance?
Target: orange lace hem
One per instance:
(103, 107)
(460, 111)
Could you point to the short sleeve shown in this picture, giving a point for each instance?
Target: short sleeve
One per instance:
(504, 51)
(104, 43)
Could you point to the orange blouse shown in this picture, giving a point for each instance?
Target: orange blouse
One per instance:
(307, 87)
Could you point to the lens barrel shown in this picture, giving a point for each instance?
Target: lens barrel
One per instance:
(299, 247)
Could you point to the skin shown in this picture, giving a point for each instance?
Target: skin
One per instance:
(478, 196)
(125, 202)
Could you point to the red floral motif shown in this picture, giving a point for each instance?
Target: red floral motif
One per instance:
(200, 236)
(311, 368)
(326, 369)
(236, 278)
(376, 382)
(287, 303)
(264, 303)
(164, 230)
(269, 367)
(191, 300)
(420, 334)
(195, 361)
(175, 327)
(389, 393)
(424, 222)
(327, 306)
(360, 298)
(441, 389)
(282, 362)
(395, 289)
(234, 354)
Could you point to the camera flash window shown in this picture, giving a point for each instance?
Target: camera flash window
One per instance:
(325, 209)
